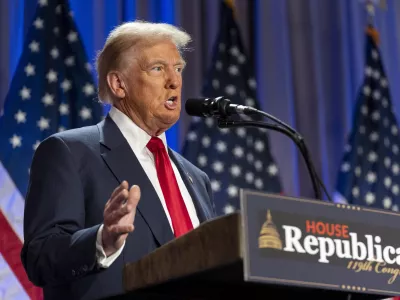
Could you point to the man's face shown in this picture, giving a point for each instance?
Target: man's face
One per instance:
(154, 82)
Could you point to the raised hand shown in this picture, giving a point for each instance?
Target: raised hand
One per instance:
(119, 216)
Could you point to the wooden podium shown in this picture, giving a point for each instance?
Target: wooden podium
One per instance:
(210, 263)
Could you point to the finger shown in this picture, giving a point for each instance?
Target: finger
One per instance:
(118, 200)
(134, 196)
(118, 189)
(121, 229)
(116, 215)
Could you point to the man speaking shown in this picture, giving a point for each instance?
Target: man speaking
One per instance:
(105, 195)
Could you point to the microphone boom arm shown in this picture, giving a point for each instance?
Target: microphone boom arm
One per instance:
(298, 140)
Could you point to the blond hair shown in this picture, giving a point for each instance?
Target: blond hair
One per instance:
(126, 36)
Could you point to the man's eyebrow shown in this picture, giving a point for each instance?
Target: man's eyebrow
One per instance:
(163, 62)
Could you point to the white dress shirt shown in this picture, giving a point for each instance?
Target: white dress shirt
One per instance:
(137, 139)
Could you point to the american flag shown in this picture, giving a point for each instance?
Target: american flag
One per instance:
(370, 169)
(52, 90)
(237, 157)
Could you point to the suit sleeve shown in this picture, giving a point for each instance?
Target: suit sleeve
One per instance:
(57, 248)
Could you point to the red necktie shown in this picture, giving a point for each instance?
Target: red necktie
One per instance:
(181, 222)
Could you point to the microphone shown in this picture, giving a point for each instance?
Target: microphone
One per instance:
(221, 107)
(216, 107)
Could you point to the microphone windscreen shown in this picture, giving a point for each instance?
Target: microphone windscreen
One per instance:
(195, 107)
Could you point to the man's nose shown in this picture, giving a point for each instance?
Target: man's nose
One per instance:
(173, 80)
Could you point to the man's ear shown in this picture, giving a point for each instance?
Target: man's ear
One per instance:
(116, 84)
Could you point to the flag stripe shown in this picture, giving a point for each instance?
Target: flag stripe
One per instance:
(11, 202)
(10, 287)
(10, 248)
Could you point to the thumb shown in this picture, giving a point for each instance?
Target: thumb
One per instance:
(134, 195)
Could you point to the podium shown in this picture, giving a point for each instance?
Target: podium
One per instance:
(276, 247)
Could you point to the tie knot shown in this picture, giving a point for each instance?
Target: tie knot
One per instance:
(155, 144)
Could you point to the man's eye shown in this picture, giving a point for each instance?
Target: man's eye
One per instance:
(157, 68)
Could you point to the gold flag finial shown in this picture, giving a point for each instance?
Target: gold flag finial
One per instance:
(231, 4)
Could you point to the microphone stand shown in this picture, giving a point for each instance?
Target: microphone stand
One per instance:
(291, 133)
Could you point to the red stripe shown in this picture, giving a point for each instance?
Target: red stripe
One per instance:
(10, 248)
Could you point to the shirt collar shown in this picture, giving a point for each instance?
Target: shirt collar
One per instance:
(132, 132)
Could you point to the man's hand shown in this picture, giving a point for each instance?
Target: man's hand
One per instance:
(119, 214)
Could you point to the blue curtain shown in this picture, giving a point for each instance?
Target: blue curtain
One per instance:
(308, 56)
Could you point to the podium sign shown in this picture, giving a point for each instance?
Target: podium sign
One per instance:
(317, 244)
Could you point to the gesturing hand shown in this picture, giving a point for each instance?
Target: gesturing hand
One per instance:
(119, 214)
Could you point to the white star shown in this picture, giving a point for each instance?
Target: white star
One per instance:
(374, 54)
(371, 177)
(85, 113)
(374, 136)
(272, 170)
(377, 75)
(221, 47)
(215, 83)
(232, 191)
(218, 166)
(192, 136)
(364, 110)
(395, 207)
(25, 93)
(385, 103)
(20, 116)
(61, 128)
(221, 146)
(58, 9)
(66, 85)
(250, 157)
(230, 89)
(387, 181)
(228, 209)
(43, 123)
(88, 89)
(88, 67)
(209, 122)
(357, 171)
(54, 53)
(223, 130)
(249, 101)
(372, 157)
(387, 162)
(233, 70)
(34, 46)
(234, 51)
(36, 145)
(394, 130)
(386, 141)
(70, 61)
(215, 185)
(395, 169)
(235, 171)
(64, 109)
(395, 149)
(241, 132)
(51, 76)
(16, 141)
(218, 65)
(368, 71)
(202, 160)
(206, 141)
(395, 189)
(43, 3)
(258, 165)
(259, 145)
(370, 198)
(355, 191)
(387, 202)
(241, 58)
(258, 183)
(345, 167)
(238, 152)
(384, 82)
(56, 30)
(252, 83)
(38, 23)
(72, 37)
(48, 99)
(376, 95)
(30, 69)
(362, 129)
(249, 177)
(376, 115)
(367, 90)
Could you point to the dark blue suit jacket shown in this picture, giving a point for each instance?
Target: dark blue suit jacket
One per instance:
(72, 176)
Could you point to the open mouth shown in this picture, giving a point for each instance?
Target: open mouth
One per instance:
(172, 102)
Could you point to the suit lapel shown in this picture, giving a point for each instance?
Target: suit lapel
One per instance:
(123, 163)
(201, 207)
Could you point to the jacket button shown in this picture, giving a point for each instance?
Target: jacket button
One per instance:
(73, 272)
